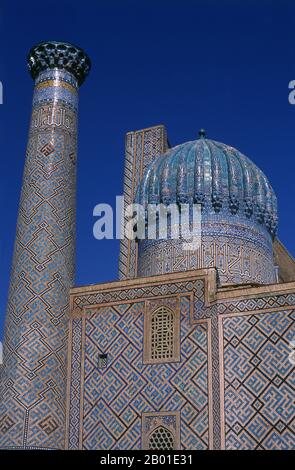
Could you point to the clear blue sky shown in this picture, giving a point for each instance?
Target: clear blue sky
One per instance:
(222, 65)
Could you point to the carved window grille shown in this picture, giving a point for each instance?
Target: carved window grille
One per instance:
(162, 334)
(161, 430)
(161, 439)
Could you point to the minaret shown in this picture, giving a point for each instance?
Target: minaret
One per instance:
(33, 384)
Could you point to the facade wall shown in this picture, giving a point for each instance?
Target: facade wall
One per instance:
(120, 393)
(257, 378)
(232, 389)
(113, 401)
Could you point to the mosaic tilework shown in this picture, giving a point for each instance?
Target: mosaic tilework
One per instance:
(233, 352)
(48, 55)
(215, 175)
(237, 260)
(238, 218)
(201, 310)
(141, 148)
(192, 285)
(195, 284)
(259, 381)
(115, 397)
(74, 410)
(249, 304)
(242, 345)
(56, 84)
(34, 376)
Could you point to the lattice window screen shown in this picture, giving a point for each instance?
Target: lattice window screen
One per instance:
(161, 439)
(162, 334)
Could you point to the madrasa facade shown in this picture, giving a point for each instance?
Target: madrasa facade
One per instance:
(188, 349)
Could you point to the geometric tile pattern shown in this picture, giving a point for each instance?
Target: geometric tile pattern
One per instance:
(238, 260)
(116, 396)
(74, 409)
(259, 381)
(245, 372)
(196, 286)
(141, 148)
(255, 371)
(251, 304)
(34, 376)
(153, 290)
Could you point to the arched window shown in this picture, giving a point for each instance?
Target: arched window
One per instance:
(161, 430)
(161, 439)
(162, 334)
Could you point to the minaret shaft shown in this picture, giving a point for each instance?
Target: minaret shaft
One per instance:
(34, 373)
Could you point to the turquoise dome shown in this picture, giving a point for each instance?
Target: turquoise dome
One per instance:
(238, 220)
(215, 175)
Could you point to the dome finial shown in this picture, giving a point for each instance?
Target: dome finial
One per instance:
(202, 133)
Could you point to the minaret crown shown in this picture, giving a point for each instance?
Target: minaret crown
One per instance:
(62, 55)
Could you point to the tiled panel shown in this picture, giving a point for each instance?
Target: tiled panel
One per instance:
(259, 380)
(141, 148)
(116, 396)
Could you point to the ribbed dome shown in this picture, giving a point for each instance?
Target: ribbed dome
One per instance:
(215, 175)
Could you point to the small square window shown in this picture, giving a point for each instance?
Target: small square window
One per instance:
(102, 361)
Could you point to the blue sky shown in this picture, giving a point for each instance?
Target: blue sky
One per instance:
(218, 64)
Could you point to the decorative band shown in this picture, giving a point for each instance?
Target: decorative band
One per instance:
(56, 83)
